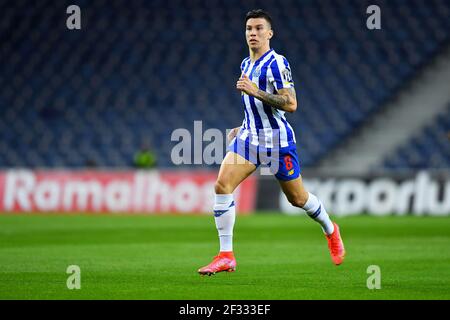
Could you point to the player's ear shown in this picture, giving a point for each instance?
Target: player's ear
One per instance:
(270, 34)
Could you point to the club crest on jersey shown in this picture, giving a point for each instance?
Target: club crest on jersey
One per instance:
(257, 72)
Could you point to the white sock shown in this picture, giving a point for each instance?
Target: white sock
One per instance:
(225, 215)
(316, 210)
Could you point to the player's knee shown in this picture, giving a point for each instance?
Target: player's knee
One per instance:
(298, 200)
(221, 187)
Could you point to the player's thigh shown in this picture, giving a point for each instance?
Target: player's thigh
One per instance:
(233, 170)
(295, 191)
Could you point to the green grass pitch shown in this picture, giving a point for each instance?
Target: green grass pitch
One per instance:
(278, 256)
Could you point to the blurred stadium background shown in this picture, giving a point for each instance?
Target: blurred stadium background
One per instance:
(373, 124)
(371, 102)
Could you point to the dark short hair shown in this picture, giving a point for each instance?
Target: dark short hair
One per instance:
(259, 13)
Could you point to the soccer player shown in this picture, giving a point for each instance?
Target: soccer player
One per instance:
(265, 137)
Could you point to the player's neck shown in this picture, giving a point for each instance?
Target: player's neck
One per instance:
(255, 55)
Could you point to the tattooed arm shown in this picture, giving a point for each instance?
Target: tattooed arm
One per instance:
(284, 100)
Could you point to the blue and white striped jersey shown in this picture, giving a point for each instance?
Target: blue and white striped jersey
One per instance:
(262, 122)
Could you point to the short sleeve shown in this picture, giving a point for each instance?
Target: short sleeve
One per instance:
(243, 63)
(280, 75)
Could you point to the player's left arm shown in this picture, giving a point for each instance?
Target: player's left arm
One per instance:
(285, 99)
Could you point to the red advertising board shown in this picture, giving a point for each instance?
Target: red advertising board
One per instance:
(111, 191)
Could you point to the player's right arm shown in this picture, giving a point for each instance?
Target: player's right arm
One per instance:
(285, 99)
(233, 133)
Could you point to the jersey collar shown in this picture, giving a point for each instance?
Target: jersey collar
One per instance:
(262, 57)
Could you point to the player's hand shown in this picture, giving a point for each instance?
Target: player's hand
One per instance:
(233, 133)
(245, 85)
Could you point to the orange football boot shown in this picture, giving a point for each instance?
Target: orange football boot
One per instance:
(224, 261)
(336, 246)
